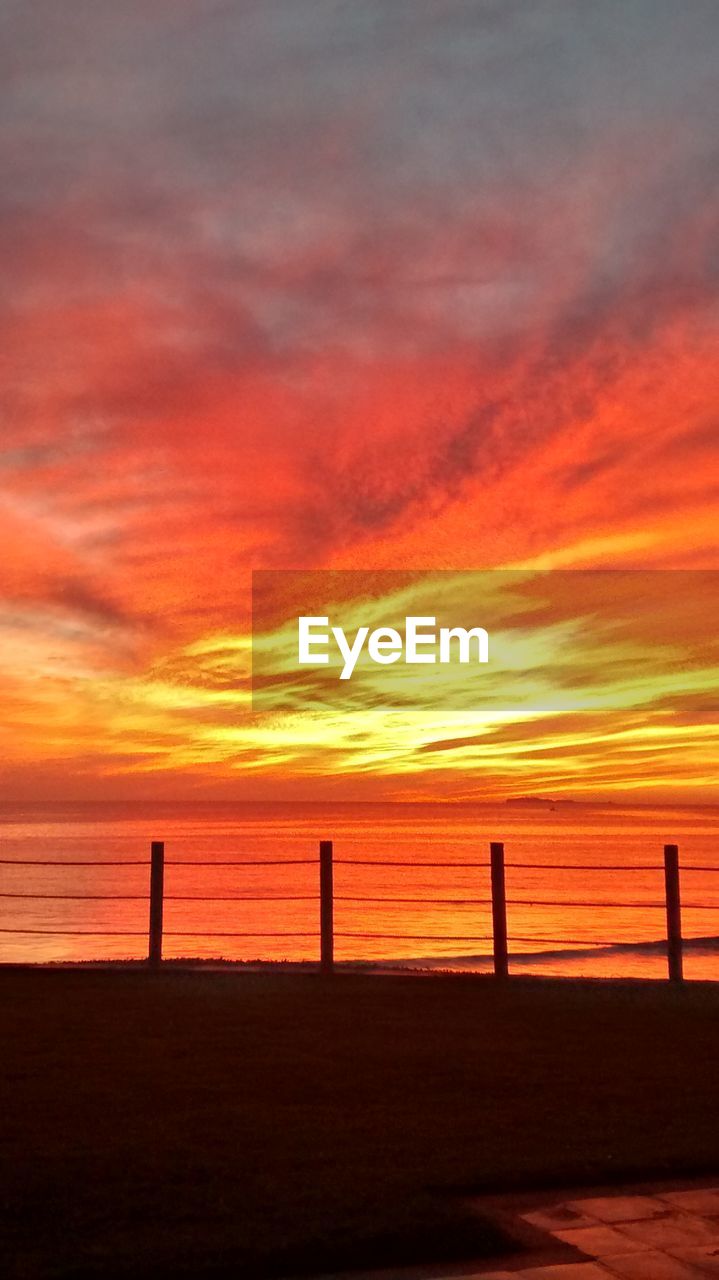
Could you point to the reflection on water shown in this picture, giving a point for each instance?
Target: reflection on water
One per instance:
(563, 921)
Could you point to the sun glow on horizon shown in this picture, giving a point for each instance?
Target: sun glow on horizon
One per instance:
(375, 291)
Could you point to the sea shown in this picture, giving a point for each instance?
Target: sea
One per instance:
(584, 884)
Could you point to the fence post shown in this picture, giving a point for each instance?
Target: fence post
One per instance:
(499, 911)
(327, 963)
(674, 912)
(157, 878)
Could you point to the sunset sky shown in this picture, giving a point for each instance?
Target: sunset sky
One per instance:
(390, 285)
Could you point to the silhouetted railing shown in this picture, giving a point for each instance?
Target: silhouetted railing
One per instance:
(497, 900)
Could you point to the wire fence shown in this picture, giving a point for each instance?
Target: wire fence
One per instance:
(494, 901)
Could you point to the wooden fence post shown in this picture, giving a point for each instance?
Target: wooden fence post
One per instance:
(157, 878)
(674, 912)
(499, 911)
(327, 962)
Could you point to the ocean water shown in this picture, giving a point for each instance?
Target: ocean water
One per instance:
(569, 918)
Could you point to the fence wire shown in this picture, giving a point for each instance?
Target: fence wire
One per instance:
(480, 903)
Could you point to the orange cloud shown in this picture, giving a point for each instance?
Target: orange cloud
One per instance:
(391, 292)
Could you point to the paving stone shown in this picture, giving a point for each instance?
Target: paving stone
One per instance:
(650, 1265)
(675, 1230)
(566, 1271)
(619, 1208)
(556, 1216)
(673, 1236)
(705, 1257)
(599, 1241)
(559, 1271)
(700, 1200)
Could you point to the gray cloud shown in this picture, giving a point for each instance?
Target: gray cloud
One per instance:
(260, 183)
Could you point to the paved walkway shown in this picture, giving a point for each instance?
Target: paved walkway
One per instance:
(672, 1235)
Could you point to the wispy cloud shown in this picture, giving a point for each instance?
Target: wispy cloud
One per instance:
(301, 283)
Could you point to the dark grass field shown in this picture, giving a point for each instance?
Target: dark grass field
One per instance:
(260, 1125)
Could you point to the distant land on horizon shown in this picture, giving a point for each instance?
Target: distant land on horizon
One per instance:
(548, 802)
